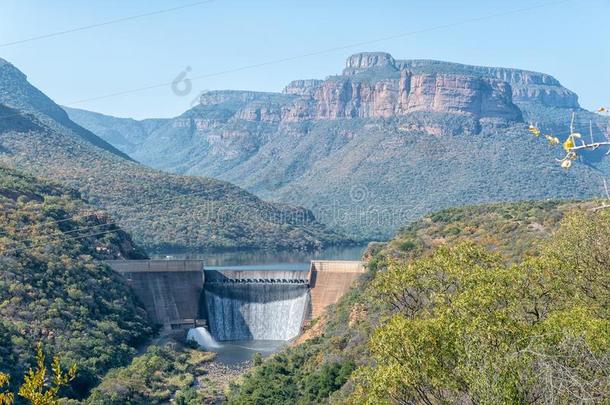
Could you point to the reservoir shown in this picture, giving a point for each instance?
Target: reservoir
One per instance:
(282, 259)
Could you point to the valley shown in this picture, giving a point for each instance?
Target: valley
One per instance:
(379, 145)
(402, 230)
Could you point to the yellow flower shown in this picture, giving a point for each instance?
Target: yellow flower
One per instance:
(568, 144)
(534, 130)
(553, 140)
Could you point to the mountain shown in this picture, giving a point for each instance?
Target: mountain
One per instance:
(162, 210)
(384, 142)
(55, 289)
(125, 134)
(16, 93)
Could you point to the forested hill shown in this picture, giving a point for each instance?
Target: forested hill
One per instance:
(504, 303)
(160, 210)
(54, 288)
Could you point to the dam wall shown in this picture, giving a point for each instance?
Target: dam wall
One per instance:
(329, 280)
(169, 289)
(237, 304)
(255, 304)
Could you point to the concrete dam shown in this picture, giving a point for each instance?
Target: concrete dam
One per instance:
(237, 304)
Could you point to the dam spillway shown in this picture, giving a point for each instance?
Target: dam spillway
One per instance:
(255, 305)
(237, 304)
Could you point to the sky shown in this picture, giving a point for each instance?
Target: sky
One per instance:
(127, 68)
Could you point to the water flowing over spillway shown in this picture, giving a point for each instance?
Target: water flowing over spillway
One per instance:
(256, 309)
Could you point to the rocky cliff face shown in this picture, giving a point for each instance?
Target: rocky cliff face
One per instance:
(371, 86)
(526, 86)
(445, 93)
(375, 85)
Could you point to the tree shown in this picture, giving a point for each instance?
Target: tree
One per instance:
(6, 398)
(462, 327)
(257, 359)
(40, 389)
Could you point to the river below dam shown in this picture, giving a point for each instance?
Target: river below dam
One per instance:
(271, 327)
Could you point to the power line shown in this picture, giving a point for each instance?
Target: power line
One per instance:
(315, 53)
(330, 50)
(102, 24)
(9, 251)
(262, 64)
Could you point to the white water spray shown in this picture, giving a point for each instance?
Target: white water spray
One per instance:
(202, 337)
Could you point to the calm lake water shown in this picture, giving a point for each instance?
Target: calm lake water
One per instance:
(253, 259)
(236, 352)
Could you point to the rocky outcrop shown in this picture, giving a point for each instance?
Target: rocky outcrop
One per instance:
(346, 97)
(375, 85)
(360, 62)
(527, 86)
(303, 87)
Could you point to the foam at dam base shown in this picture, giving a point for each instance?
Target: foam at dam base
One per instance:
(255, 311)
(202, 337)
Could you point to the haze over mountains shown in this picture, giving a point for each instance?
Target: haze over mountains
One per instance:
(378, 145)
(161, 210)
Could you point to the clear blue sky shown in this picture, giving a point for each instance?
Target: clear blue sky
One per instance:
(570, 40)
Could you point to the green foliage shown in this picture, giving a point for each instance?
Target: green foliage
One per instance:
(53, 286)
(461, 326)
(511, 229)
(163, 211)
(522, 316)
(257, 359)
(155, 377)
(292, 378)
(38, 388)
(322, 383)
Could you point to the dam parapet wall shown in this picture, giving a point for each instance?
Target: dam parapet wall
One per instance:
(169, 289)
(256, 276)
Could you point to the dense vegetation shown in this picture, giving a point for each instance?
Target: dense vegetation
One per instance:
(511, 229)
(292, 378)
(161, 374)
(53, 287)
(162, 211)
(442, 319)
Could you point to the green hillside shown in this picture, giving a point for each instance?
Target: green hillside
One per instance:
(53, 288)
(451, 311)
(162, 211)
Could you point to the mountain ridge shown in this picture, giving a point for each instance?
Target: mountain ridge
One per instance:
(19, 94)
(415, 134)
